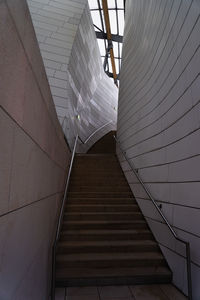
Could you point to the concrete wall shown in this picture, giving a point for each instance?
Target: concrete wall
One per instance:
(74, 68)
(33, 159)
(159, 120)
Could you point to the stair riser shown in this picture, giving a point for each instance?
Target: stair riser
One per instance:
(107, 249)
(99, 195)
(126, 280)
(109, 201)
(112, 263)
(103, 217)
(94, 182)
(103, 226)
(102, 209)
(88, 170)
(97, 165)
(105, 237)
(99, 176)
(99, 189)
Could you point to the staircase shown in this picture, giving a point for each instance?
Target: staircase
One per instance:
(104, 238)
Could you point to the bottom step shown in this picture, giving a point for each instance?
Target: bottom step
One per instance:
(106, 276)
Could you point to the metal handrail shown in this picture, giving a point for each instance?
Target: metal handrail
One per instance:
(187, 244)
(91, 135)
(60, 219)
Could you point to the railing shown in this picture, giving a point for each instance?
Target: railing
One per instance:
(60, 219)
(187, 244)
(91, 135)
(61, 214)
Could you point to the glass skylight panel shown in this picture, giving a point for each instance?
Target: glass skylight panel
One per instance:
(93, 4)
(110, 65)
(96, 18)
(120, 49)
(101, 47)
(120, 3)
(116, 16)
(113, 21)
(117, 65)
(121, 21)
(111, 4)
(115, 49)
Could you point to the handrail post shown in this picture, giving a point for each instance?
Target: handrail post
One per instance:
(187, 244)
(189, 277)
(53, 272)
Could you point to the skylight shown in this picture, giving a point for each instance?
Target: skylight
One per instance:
(116, 16)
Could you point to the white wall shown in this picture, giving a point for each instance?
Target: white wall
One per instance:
(159, 120)
(74, 68)
(56, 23)
(93, 96)
(33, 160)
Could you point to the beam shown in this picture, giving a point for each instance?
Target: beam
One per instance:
(109, 37)
(111, 74)
(115, 37)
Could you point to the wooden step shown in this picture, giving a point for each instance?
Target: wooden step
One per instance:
(107, 246)
(106, 235)
(99, 189)
(102, 175)
(101, 208)
(108, 260)
(112, 276)
(103, 225)
(109, 216)
(100, 195)
(101, 200)
(96, 182)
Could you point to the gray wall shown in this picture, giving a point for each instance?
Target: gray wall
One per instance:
(71, 56)
(159, 120)
(93, 96)
(33, 159)
(56, 23)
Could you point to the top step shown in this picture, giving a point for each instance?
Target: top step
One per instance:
(105, 145)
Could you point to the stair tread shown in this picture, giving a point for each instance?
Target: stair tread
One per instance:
(105, 222)
(109, 198)
(106, 243)
(106, 192)
(104, 213)
(102, 205)
(88, 155)
(110, 231)
(109, 272)
(109, 256)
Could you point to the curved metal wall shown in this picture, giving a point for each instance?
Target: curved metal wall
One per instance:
(85, 98)
(159, 120)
